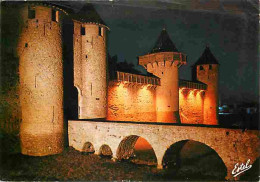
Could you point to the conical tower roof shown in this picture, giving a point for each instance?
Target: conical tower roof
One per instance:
(88, 14)
(164, 43)
(206, 58)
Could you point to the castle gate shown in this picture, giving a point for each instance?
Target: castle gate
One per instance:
(232, 145)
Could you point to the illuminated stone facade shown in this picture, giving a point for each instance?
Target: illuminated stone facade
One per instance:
(41, 80)
(90, 69)
(159, 97)
(165, 66)
(208, 73)
(131, 103)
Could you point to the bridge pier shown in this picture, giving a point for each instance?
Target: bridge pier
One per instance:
(97, 148)
(159, 166)
(114, 159)
(229, 176)
(159, 153)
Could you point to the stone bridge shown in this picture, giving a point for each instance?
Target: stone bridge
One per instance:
(232, 145)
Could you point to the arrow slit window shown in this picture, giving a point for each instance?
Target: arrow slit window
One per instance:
(83, 31)
(100, 31)
(55, 15)
(31, 12)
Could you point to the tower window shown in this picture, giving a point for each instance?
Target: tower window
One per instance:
(31, 13)
(201, 67)
(100, 31)
(83, 31)
(54, 15)
(26, 45)
(210, 67)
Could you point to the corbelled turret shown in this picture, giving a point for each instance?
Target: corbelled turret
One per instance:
(164, 61)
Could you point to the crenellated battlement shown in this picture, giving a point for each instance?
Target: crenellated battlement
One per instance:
(156, 59)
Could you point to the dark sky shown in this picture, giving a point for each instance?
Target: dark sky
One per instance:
(230, 29)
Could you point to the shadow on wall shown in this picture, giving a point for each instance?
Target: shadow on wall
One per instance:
(194, 160)
(10, 111)
(70, 94)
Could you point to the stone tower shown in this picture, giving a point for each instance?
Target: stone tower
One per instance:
(206, 70)
(41, 79)
(90, 63)
(164, 62)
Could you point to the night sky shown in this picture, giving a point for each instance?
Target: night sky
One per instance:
(230, 29)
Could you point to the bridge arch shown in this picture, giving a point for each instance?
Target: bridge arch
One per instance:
(126, 148)
(105, 150)
(188, 154)
(88, 147)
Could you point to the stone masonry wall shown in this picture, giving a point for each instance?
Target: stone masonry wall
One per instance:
(130, 103)
(90, 70)
(41, 82)
(165, 66)
(210, 77)
(191, 106)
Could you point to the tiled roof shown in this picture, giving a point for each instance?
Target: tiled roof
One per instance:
(206, 58)
(88, 14)
(164, 43)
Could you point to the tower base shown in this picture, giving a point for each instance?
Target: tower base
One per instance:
(41, 145)
(168, 116)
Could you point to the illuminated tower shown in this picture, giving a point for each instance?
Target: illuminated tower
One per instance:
(41, 79)
(164, 62)
(90, 64)
(206, 71)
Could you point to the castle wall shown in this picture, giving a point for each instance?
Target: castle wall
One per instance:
(90, 70)
(210, 77)
(127, 103)
(41, 82)
(191, 105)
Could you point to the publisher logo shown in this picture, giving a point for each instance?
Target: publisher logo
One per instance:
(238, 169)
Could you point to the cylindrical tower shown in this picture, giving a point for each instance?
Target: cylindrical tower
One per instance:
(207, 69)
(164, 62)
(41, 80)
(90, 63)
